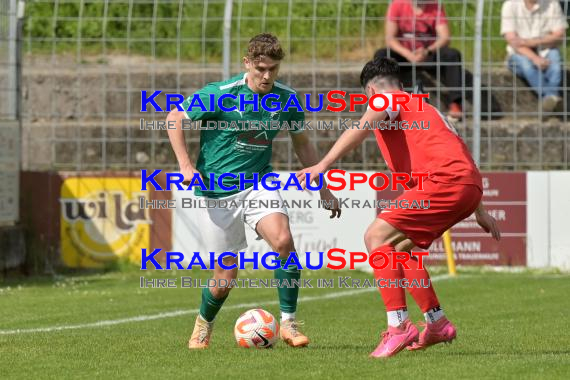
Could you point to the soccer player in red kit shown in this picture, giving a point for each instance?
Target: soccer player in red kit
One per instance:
(453, 188)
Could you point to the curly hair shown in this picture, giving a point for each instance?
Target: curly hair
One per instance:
(265, 44)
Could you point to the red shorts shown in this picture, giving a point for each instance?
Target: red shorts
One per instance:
(448, 205)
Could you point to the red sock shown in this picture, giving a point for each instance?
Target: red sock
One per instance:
(394, 297)
(424, 297)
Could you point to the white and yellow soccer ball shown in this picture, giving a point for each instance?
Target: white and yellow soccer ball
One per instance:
(256, 328)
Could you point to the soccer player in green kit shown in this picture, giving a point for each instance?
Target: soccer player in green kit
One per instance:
(244, 151)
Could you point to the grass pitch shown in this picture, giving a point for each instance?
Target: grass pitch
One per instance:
(105, 326)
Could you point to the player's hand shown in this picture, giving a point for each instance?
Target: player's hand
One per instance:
(488, 223)
(188, 171)
(312, 172)
(329, 199)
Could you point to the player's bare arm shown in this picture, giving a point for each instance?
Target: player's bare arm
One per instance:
(307, 154)
(176, 136)
(346, 143)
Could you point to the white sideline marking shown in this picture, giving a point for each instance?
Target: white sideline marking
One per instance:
(171, 314)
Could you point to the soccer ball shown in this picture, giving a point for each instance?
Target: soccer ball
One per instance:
(256, 328)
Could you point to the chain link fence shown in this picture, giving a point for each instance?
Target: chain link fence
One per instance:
(86, 62)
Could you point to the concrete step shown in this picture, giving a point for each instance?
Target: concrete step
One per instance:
(115, 92)
(120, 144)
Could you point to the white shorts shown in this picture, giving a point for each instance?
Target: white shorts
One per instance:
(223, 229)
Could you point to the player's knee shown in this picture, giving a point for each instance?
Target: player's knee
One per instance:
(373, 239)
(283, 243)
(229, 262)
(292, 266)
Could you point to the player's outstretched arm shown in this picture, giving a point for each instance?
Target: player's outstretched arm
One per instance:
(178, 143)
(308, 156)
(487, 222)
(346, 143)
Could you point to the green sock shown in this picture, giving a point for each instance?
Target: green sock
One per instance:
(288, 295)
(210, 305)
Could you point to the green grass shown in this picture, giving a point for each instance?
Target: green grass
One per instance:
(509, 326)
(328, 29)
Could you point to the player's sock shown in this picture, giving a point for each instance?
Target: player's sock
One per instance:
(397, 317)
(286, 316)
(394, 296)
(287, 294)
(424, 297)
(210, 305)
(434, 315)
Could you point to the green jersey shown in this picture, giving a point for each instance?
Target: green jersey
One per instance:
(238, 141)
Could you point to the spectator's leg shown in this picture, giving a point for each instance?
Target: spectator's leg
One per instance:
(524, 68)
(553, 74)
(552, 79)
(451, 72)
(430, 65)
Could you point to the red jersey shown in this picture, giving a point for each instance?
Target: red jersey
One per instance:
(415, 31)
(424, 141)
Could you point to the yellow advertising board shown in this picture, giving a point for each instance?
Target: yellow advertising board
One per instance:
(101, 221)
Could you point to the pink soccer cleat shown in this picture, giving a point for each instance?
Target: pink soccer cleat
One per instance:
(441, 331)
(395, 339)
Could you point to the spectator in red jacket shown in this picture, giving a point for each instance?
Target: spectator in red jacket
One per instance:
(417, 32)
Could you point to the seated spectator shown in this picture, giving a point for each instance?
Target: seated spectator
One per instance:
(417, 32)
(534, 29)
